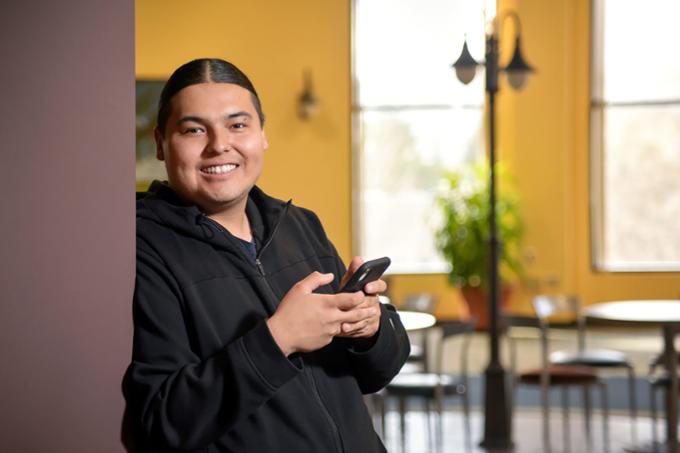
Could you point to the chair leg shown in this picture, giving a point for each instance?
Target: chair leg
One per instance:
(373, 404)
(439, 437)
(546, 419)
(652, 406)
(565, 418)
(587, 415)
(511, 402)
(633, 404)
(383, 416)
(402, 422)
(605, 417)
(431, 423)
(467, 432)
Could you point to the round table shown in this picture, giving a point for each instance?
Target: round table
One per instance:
(638, 311)
(666, 313)
(416, 320)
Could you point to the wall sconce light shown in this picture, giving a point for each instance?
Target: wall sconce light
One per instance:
(308, 104)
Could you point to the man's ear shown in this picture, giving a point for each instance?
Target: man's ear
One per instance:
(265, 142)
(158, 137)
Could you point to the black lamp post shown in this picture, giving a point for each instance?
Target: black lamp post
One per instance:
(497, 414)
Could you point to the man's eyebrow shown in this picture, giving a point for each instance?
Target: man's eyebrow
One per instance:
(237, 114)
(198, 119)
(194, 119)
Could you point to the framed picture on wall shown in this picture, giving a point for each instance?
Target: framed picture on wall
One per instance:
(148, 167)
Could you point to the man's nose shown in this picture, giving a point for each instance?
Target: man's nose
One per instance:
(220, 141)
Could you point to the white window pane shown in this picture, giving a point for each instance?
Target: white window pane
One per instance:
(640, 54)
(641, 184)
(402, 158)
(404, 51)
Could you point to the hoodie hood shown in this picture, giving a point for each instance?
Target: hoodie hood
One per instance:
(162, 205)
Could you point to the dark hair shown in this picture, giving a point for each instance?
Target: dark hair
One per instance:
(203, 70)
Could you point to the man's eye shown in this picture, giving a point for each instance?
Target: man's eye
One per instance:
(192, 131)
(238, 125)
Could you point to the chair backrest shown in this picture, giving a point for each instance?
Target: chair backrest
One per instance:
(455, 328)
(423, 302)
(546, 307)
(514, 324)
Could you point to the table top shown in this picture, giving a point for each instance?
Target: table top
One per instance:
(641, 311)
(415, 320)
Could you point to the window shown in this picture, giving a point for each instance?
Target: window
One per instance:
(635, 133)
(413, 121)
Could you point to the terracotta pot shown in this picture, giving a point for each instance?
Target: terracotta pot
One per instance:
(477, 300)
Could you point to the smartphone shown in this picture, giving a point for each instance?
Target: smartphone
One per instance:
(368, 272)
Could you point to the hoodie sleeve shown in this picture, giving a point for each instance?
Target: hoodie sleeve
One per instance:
(177, 398)
(374, 366)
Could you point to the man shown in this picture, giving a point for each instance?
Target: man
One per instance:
(241, 343)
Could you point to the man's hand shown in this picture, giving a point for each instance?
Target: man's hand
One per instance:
(368, 326)
(305, 321)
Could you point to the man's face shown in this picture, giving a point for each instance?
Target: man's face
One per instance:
(213, 146)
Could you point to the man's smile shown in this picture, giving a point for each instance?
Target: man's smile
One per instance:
(219, 169)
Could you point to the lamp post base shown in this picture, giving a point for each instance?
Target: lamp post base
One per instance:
(497, 420)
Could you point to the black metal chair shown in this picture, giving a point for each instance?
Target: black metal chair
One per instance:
(596, 358)
(417, 359)
(551, 375)
(434, 386)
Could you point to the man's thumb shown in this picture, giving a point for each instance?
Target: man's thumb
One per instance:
(314, 280)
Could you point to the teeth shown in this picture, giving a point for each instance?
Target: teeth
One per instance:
(219, 169)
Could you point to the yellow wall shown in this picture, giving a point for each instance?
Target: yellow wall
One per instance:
(548, 144)
(542, 131)
(543, 135)
(273, 42)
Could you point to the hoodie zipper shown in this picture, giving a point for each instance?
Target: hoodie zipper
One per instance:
(260, 267)
(258, 263)
(308, 372)
(337, 439)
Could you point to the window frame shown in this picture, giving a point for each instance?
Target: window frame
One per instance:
(597, 109)
(357, 109)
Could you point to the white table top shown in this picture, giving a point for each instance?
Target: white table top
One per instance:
(642, 311)
(415, 320)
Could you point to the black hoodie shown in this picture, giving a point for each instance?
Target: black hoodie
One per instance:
(206, 374)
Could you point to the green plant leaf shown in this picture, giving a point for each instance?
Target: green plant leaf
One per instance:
(463, 239)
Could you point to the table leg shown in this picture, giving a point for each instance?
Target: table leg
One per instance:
(672, 392)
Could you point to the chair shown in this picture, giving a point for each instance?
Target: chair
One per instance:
(597, 358)
(417, 359)
(433, 387)
(658, 380)
(551, 375)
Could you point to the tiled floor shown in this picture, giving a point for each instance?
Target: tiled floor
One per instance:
(640, 344)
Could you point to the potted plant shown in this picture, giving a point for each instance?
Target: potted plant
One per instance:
(463, 238)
